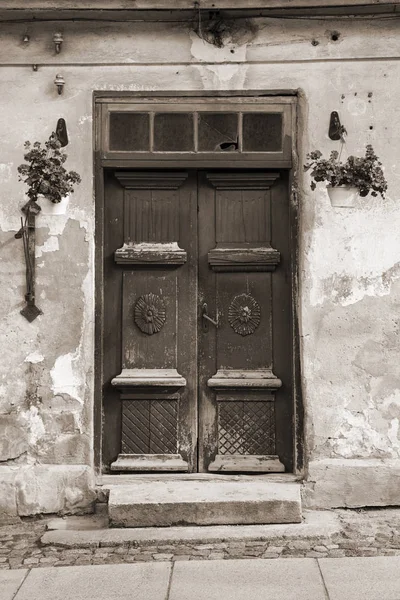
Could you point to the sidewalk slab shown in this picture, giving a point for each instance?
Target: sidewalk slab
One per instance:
(366, 578)
(10, 582)
(294, 579)
(99, 582)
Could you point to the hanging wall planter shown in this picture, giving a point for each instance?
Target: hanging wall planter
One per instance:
(49, 185)
(357, 176)
(343, 196)
(53, 208)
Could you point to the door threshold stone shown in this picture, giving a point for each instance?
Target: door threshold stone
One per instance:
(209, 502)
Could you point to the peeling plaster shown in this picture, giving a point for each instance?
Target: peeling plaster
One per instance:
(346, 267)
(205, 52)
(55, 223)
(35, 423)
(358, 437)
(218, 76)
(50, 245)
(34, 357)
(65, 376)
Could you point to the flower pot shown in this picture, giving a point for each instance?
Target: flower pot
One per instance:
(51, 208)
(343, 196)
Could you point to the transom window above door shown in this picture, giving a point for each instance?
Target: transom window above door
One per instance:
(195, 132)
(147, 129)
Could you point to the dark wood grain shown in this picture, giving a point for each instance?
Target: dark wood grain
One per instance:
(282, 308)
(236, 359)
(244, 258)
(112, 322)
(250, 369)
(146, 362)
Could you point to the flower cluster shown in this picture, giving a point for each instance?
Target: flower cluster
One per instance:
(364, 173)
(44, 173)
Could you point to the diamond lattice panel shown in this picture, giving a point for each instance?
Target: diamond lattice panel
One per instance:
(163, 427)
(149, 426)
(246, 428)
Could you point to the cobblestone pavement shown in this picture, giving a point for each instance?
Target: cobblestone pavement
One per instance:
(364, 533)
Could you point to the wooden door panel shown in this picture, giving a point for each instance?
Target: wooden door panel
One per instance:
(157, 267)
(244, 339)
(112, 330)
(175, 242)
(240, 389)
(283, 320)
(241, 216)
(149, 342)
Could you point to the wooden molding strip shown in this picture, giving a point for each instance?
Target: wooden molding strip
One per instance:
(244, 259)
(145, 253)
(148, 378)
(149, 462)
(146, 180)
(247, 463)
(242, 181)
(106, 5)
(229, 378)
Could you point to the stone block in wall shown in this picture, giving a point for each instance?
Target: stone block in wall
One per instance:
(13, 440)
(352, 483)
(54, 489)
(8, 503)
(66, 449)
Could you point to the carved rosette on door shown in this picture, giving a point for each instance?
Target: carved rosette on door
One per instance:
(149, 383)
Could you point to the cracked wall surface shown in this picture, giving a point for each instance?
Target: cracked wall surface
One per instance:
(349, 258)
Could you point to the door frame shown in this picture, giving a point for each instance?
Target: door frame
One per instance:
(286, 96)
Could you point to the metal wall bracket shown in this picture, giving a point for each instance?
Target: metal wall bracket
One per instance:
(336, 129)
(27, 234)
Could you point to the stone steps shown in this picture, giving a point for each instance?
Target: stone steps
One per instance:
(317, 527)
(190, 501)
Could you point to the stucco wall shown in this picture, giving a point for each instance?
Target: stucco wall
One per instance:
(349, 271)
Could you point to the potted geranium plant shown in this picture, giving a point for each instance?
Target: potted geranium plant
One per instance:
(357, 176)
(44, 172)
(45, 175)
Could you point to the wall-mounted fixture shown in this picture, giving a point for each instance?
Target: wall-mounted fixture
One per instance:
(26, 39)
(336, 129)
(59, 82)
(27, 234)
(58, 40)
(61, 132)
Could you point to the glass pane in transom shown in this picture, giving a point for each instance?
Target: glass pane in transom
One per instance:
(173, 132)
(262, 132)
(129, 131)
(218, 132)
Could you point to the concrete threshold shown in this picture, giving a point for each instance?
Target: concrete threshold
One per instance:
(316, 525)
(149, 503)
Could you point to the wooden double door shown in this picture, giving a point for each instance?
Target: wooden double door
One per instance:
(197, 333)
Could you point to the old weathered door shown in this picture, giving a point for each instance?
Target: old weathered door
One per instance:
(197, 329)
(245, 381)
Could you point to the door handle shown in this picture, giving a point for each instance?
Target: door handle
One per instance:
(207, 319)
